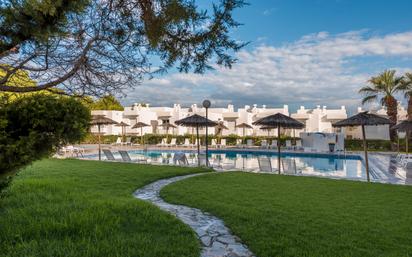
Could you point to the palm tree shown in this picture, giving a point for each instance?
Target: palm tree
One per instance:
(384, 86)
(407, 89)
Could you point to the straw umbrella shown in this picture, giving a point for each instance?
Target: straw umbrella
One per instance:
(196, 121)
(404, 126)
(101, 120)
(363, 119)
(244, 126)
(167, 126)
(123, 125)
(278, 121)
(140, 125)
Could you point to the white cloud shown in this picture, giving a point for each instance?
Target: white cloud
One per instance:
(316, 69)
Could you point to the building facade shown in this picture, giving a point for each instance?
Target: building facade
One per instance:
(319, 119)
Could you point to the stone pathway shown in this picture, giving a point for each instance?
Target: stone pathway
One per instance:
(215, 237)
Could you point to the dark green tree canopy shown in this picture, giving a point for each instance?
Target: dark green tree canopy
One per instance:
(98, 46)
(108, 102)
(33, 127)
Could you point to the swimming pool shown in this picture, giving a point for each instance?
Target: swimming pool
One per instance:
(330, 165)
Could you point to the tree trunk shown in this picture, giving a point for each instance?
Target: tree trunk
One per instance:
(410, 108)
(392, 112)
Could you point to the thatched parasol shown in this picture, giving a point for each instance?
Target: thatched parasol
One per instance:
(167, 126)
(101, 120)
(196, 121)
(363, 119)
(123, 125)
(405, 126)
(268, 128)
(140, 125)
(244, 126)
(278, 121)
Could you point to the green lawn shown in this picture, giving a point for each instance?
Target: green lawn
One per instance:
(303, 216)
(86, 208)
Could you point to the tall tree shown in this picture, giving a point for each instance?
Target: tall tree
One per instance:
(407, 89)
(108, 102)
(384, 87)
(96, 47)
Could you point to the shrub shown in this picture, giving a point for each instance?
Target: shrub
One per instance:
(33, 127)
(374, 145)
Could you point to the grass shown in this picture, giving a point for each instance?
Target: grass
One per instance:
(85, 208)
(304, 216)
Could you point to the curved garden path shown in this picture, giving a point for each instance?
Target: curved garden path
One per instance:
(215, 237)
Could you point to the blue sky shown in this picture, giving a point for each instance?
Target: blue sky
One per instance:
(304, 52)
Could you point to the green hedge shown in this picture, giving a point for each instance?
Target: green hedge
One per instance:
(376, 145)
(153, 139)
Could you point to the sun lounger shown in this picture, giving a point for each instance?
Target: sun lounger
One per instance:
(126, 157)
(163, 143)
(213, 144)
(108, 154)
(249, 143)
(264, 144)
(118, 141)
(264, 164)
(187, 143)
(289, 145)
(172, 142)
(128, 141)
(274, 144)
(298, 145)
(222, 143)
(289, 166)
(239, 142)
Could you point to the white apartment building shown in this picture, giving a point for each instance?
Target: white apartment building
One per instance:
(375, 132)
(319, 119)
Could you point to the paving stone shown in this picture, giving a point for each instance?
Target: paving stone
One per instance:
(216, 238)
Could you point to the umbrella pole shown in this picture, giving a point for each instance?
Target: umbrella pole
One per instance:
(278, 149)
(365, 148)
(98, 135)
(141, 135)
(198, 146)
(407, 143)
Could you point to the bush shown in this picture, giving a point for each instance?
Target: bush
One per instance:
(33, 127)
(153, 139)
(374, 145)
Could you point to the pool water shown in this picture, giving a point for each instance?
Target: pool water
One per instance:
(348, 166)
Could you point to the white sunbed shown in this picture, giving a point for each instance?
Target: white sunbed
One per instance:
(163, 143)
(126, 157)
(172, 142)
(128, 141)
(289, 166)
(213, 144)
(298, 145)
(239, 142)
(108, 154)
(249, 143)
(222, 143)
(118, 141)
(289, 145)
(265, 164)
(274, 144)
(187, 143)
(264, 144)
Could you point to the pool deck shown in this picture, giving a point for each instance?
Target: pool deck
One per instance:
(383, 166)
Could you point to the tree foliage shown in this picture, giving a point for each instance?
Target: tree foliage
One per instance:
(100, 46)
(383, 88)
(108, 102)
(33, 127)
